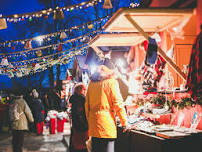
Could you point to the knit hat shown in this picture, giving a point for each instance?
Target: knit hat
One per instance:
(35, 93)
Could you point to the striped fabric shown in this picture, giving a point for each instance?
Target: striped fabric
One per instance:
(194, 81)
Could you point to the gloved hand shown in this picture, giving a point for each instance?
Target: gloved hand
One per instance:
(126, 128)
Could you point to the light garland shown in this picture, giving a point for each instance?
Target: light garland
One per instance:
(46, 12)
(136, 3)
(33, 67)
(35, 50)
(47, 36)
(16, 64)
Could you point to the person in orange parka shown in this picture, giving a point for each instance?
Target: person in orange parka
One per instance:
(103, 103)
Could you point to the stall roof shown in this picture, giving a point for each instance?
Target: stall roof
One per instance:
(122, 39)
(145, 21)
(151, 20)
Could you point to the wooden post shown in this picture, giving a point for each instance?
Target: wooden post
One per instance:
(160, 51)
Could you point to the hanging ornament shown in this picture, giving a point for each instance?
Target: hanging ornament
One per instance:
(60, 47)
(23, 42)
(157, 37)
(33, 65)
(37, 66)
(54, 47)
(9, 44)
(58, 15)
(13, 47)
(30, 19)
(107, 4)
(28, 45)
(39, 53)
(4, 62)
(65, 61)
(10, 74)
(10, 66)
(43, 60)
(19, 74)
(15, 69)
(90, 26)
(27, 71)
(46, 17)
(63, 35)
(170, 52)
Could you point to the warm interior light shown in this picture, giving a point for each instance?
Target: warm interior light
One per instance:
(39, 39)
(120, 63)
(93, 68)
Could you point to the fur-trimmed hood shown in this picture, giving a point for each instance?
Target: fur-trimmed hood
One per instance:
(102, 73)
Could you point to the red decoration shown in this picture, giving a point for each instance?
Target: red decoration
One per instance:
(46, 17)
(52, 125)
(33, 65)
(23, 19)
(13, 47)
(145, 45)
(60, 47)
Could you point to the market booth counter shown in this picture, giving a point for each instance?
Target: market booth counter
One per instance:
(139, 141)
(178, 129)
(130, 27)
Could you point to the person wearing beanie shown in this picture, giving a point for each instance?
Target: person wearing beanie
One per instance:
(38, 112)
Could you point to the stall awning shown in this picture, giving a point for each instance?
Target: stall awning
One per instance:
(122, 39)
(150, 20)
(143, 22)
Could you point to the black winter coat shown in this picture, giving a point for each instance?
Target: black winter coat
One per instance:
(37, 108)
(79, 121)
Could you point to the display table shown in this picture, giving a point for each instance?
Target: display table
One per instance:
(188, 113)
(137, 141)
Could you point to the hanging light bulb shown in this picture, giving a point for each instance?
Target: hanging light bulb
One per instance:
(107, 4)
(58, 15)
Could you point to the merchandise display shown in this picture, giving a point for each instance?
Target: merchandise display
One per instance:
(56, 121)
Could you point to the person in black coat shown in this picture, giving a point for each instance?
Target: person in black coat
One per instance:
(38, 112)
(79, 130)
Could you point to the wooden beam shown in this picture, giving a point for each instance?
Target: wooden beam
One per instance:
(160, 51)
(119, 39)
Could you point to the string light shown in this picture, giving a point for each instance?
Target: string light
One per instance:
(22, 41)
(31, 51)
(29, 68)
(47, 12)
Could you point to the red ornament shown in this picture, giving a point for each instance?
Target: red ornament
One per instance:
(145, 45)
(13, 47)
(60, 47)
(33, 65)
(23, 19)
(46, 17)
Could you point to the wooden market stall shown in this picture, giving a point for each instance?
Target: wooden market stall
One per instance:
(129, 27)
(136, 25)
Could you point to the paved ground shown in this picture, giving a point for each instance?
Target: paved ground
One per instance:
(46, 143)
